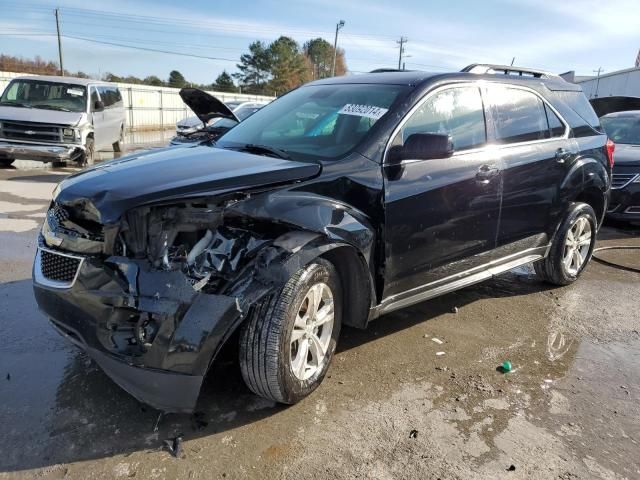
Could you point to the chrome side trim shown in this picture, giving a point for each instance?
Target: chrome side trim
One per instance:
(39, 278)
(457, 281)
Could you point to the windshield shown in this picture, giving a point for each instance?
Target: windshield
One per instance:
(65, 97)
(318, 121)
(622, 129)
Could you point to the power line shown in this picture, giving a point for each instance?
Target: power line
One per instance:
(157, 50)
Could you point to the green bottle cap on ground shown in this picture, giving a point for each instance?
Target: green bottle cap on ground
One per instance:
(506, 366)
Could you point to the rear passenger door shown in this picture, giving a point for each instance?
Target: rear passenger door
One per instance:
(535, 153)
(441, 215)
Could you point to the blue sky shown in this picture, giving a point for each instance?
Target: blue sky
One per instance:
(443, 34)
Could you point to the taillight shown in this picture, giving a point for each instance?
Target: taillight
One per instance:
(610, 148)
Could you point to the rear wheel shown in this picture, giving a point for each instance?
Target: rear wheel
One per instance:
(289, 339)
(572, 247)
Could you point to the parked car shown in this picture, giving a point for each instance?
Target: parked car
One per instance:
(339, 202)
(624, 129)
(59, 119)
(213, 117)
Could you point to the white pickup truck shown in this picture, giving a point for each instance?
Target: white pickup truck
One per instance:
(59, 119)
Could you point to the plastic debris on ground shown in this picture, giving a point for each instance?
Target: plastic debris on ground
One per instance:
(174, 446)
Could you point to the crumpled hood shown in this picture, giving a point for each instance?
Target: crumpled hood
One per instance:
(625, 154)
(110, 189)
(21, 114)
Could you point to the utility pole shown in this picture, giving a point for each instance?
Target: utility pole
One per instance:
(513, 60)
(59, 43)
(401, 42)
(599, 71)
(339, 25)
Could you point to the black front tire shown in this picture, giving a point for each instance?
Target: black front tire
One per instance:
(117, 146)
(553, 269)
(87, 158)
(6, 162)
(265, 339)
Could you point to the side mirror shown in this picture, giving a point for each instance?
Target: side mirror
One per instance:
(422, 146)
(98, 106)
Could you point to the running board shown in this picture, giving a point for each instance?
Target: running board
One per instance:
(426, 293)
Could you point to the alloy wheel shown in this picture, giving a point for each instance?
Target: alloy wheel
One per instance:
(311, 334)
(577, 245)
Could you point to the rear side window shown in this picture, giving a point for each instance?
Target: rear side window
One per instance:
(456, 111)
(579, 104)
(519, 115)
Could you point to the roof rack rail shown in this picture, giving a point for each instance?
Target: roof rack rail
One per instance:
(481, 68)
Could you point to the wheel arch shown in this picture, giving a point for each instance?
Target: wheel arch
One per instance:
(303, 248)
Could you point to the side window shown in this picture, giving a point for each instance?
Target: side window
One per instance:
(455, 111)
(556, 127)
(106, 96)
(116, 95)
(94, 97)
(519, 115)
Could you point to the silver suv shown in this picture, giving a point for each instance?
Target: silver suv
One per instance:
(59, 119)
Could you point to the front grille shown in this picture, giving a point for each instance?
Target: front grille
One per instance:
(31, 131)
(621, 180)
(59, 268)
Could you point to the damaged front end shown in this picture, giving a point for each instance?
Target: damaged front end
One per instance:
(153, 297)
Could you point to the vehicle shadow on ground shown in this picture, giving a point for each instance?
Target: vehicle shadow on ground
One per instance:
(93, 418)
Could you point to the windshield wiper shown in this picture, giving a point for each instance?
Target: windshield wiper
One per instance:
(16, 104)
(264, 149)
(53, 107)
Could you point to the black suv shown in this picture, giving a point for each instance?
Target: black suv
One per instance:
(341, 201)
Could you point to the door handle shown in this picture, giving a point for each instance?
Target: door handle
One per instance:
(486, 173)
(562, 155)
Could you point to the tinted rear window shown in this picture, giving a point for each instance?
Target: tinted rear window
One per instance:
(581, 106)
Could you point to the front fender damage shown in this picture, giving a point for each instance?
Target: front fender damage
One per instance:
(161, 291)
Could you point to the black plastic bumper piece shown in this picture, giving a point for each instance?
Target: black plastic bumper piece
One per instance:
(169, 392)
(163, 390)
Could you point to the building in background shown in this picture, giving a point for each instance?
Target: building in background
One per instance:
(623, 83)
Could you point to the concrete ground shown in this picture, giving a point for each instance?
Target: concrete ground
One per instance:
(390, 408)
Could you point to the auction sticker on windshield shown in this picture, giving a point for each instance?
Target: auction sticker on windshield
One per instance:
(75, 91)
(368, 111)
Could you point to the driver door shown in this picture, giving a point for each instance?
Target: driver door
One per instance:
(441, 215)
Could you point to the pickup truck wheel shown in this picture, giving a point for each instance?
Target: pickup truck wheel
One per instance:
(289, 339)
(86, 158)
(572, 247)
(117, 146)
